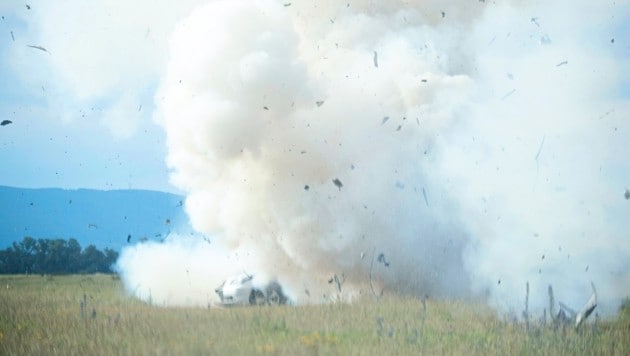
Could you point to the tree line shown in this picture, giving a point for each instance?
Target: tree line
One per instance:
(55, 256)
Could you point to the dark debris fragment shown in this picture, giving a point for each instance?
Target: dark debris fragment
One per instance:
(381, 259)
(5, 122)
(39, 48)
(337, 183)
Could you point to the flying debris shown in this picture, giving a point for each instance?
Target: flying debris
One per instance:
(28, 7)
(338, 183)
(424, 80)
(562, 63)
(424, 194)
(508, 94)
(12, 37)
(92, 226)
(7, 122)
(443, 14)
(306, 187)
(128, 238)
(39, 48)
(287, 4)
(535, 21)
(319, 103)
(381, 259)
(587, 309)
(384, 120)
(625, 195)
(545, 40)
(375, 59)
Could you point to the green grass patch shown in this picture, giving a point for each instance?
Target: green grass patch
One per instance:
(91, 315)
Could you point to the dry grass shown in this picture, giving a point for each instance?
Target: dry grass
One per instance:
(40, 315)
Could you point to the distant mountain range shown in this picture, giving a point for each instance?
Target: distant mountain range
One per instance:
(110, 219)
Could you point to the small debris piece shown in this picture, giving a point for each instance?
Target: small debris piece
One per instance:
(443, 14)
(319, 103)
(612, 40)
(338, 183)
(545, 40)
(535, 21)
(424, 194)
(562, 63)
(28, 7)
(7, 122)
(508, 94)
(399, 127)
(39, 48)
(266, 108)
(384, 120)
(381, 259)
(375, 59)
(287, 4)
(306, 187)
(12, 37)
(424, 80)
(625, 195)
(128, 238)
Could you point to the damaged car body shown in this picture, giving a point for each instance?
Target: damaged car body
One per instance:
(241, 290)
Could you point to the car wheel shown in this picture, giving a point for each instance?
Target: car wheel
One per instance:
(275, 295)
(256, 297)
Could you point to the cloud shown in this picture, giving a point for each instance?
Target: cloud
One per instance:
(98, 54)
(501, 162)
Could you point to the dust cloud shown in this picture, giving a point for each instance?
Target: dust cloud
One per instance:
(476, 145)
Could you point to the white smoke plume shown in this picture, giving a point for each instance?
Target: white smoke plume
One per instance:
(478, 145)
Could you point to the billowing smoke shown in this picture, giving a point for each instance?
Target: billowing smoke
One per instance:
(476, 145)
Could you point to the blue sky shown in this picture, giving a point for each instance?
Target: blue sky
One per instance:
(81, 111)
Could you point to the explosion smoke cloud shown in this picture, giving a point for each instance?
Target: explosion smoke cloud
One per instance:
(259, 181)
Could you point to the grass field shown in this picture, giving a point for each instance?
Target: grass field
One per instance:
(91, 315)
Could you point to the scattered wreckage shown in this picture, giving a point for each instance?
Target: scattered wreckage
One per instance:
(567, 316)
(241, 290)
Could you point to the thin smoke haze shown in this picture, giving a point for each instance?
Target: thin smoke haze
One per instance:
(493, 167)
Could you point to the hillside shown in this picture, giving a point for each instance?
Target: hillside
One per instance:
(103, 218)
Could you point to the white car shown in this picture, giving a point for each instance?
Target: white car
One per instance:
(240, 290)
